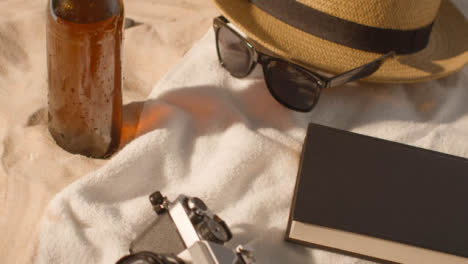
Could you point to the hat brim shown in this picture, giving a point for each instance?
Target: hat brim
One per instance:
(446, 52)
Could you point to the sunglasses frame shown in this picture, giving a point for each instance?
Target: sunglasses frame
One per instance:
(321, 82)
(257, 57)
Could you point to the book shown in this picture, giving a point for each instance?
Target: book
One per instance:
(379, 199)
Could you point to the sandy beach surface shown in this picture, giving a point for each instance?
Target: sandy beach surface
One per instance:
(32, 167)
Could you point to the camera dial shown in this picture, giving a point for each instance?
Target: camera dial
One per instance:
(214, 230)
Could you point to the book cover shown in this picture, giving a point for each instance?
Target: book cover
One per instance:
(380, 199)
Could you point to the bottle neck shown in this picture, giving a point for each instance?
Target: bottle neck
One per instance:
(86, 11)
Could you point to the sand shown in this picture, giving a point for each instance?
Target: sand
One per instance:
(32, 167)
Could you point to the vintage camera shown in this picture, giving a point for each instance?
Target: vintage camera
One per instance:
(185, 231)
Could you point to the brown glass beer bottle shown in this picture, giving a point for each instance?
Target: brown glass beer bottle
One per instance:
(84, 45)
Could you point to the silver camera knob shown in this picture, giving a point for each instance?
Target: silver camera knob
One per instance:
(196, 204)
(197, 209)
(245, 254)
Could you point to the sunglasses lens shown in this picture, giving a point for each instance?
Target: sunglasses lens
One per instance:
(233, 52)
(291, 85)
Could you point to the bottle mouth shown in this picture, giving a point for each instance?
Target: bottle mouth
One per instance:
(85, 11)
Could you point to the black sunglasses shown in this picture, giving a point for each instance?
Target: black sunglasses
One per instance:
(290, 84)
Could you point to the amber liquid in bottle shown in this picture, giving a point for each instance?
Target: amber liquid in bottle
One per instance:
(84, 42)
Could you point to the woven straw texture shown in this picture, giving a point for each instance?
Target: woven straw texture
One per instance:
(446, 52)
(394, 14)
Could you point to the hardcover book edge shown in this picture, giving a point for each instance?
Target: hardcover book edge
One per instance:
(426, 255)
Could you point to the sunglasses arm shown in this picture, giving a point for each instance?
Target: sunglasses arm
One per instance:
(359, 72)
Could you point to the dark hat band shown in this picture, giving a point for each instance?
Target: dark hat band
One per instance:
(344, 32)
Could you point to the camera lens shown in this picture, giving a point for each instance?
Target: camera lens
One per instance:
(149, 258)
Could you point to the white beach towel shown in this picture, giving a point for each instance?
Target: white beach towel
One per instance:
(226, 140)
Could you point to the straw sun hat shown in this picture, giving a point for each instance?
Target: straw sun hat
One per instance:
(430, 37)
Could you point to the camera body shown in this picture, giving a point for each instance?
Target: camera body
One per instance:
(185, 231)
